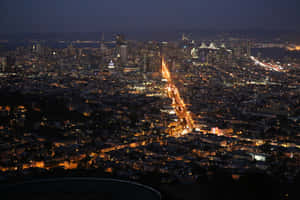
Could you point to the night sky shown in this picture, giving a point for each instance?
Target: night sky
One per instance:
(131, 15)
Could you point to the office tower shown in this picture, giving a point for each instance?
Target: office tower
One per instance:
(33, 49)
(145, 63)
(173, 66)
(163, 49)
(7, 63)
(120, 39)
(80, 52)
(248, 48)
(39, 49)
(10, 62)
(3, 63)
(102, 45)
(184, 38)
(123, 54)
(237, 51)
(71, 50)
(194, 53)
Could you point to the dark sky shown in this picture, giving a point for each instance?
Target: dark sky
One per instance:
(125, 15)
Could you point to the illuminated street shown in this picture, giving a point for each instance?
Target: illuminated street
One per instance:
(185, 124)
(270, 66)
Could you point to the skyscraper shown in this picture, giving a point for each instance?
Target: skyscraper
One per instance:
(184, 37)
(102, 45)
(10, 61)
(237, 51)
(194, 53)
(163, 49)
(7, 64)
(248, 49)
(123, 54)
(145, 63)
(39, 49)
(120, 39)
(173, 66)
(3, 63)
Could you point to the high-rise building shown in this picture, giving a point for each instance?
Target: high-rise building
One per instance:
(145, 63)
(184, 38)
(10, 61)
(123, 54)
(237, 51)
(173, 66)
(102, 45)
(120, 39)
(3, 63)
(38, 49)
(248, 48)
(7, 63)
(33, 49)
(163, 49)
(71, 50)
(194, 53)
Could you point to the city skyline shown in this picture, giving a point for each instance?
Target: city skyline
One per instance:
(169, 100)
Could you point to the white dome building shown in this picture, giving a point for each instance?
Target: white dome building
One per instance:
(212, 46)
(203, 46)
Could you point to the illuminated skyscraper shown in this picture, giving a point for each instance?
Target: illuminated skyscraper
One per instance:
(39, 49)
(194, 53)
(184, 37)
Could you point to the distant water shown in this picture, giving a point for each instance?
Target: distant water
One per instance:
(275, 53)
